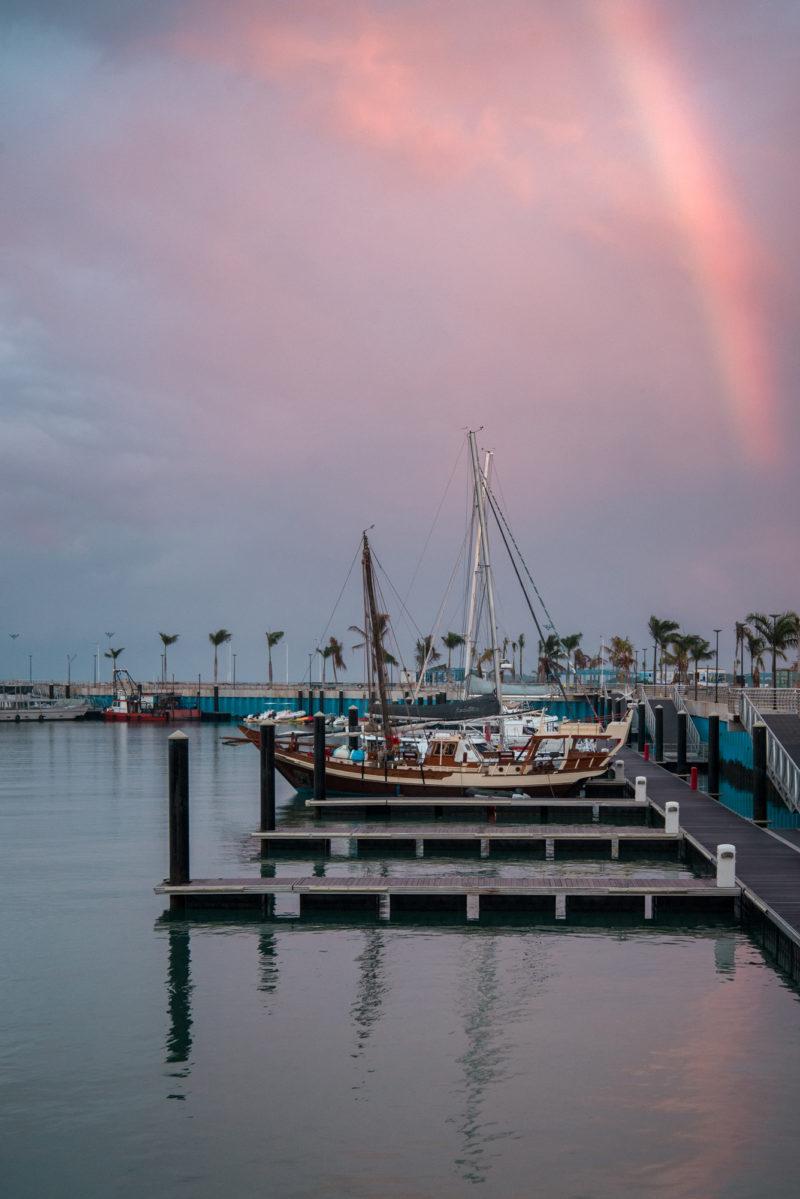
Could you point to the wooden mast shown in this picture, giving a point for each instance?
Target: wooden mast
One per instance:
(375, 635)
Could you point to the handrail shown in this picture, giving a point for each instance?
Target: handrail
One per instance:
(694, 743)
(783, 771)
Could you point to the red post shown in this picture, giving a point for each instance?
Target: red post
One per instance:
(693, 778)
(647, 753)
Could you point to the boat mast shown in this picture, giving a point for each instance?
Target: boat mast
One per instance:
(472, 632)
(480, 491)
(374, 631)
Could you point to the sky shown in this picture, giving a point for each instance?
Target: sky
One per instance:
(264, 263)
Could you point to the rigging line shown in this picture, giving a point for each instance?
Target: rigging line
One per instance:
(549, 623)
(437, 621)
(396, 593)
(436, 517)
(553, 672)
(339, 596)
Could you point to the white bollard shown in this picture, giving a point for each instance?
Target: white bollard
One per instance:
(619, 772)
(640, 789)
(726, 865)
(672, 818)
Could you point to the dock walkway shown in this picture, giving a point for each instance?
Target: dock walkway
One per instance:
(494, 890)
(332, 837)
(767, 869)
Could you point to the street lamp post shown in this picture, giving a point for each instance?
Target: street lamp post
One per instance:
(716, 663)
(30, 668)
(70, 659)
(234, 671)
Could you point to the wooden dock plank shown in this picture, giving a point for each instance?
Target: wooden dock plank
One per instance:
(467, 832)
(452, 884)
(767, 869)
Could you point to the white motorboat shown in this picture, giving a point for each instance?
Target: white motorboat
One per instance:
(18, 706)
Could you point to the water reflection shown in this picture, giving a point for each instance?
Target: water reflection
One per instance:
(725, 954)
(368, 1004)
(268, 962)
(481, 1059)
(179, 1010)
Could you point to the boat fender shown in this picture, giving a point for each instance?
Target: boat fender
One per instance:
(41, 715)
(293, 742)
(356, 755)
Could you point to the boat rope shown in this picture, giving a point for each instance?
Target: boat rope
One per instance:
(435, 519)
(549, 623)
(339, 597)
(553, 673)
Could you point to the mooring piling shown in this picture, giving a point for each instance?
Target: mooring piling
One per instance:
(178, 757)
(672, 817)
(641, 727)
(726, 865)
(352, 727)
(713, 756)
(659, 746)
(266, 749)
(319, 756)
(693, 778)
(760, 773)
(640, 789)
(681, 763)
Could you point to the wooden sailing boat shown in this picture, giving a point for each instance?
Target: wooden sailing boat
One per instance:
(454, 764)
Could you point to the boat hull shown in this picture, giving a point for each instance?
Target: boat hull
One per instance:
(42, 714)
(413, 782)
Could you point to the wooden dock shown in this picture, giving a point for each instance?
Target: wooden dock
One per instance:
(448, 891)
(343, 838)
(767, 869)
(383, 806)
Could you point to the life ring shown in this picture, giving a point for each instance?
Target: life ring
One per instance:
(17, 718)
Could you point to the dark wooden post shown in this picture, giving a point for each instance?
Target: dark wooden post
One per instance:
(267, 761)
(641, 727)
(301, 701)
(760, 778)
(713, 756)
(341, 704)
(216, 698)
(682, 764)
(52, 691)
(659, 746)
(352, 727)
(178, 753)
(319, 756)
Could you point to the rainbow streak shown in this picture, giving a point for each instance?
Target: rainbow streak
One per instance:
(726, 257)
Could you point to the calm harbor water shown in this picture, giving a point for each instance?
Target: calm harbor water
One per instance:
(143, 1055)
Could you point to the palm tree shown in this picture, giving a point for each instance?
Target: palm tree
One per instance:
(425, 652)
(486, 656)
(272, 641)
(167, 640)
(620, 655)
(221, 637)
(570, 644)
(741, 630)
(661, 631)
(778, 633)
(113, 654)
(678, 653)
(550, 655)
(755, 648)
(334, 648)
(380, 631)
(699, 651)
(513, 659)
(324, 653)
(452, 641)
(521, 644)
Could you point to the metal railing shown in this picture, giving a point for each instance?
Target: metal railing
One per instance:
(783, 771)
(695, 746)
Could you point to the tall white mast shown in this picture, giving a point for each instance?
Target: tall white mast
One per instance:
(472, 632)
(480, 490)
